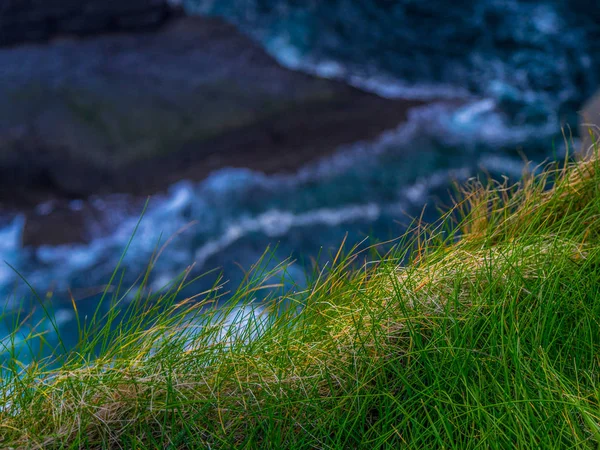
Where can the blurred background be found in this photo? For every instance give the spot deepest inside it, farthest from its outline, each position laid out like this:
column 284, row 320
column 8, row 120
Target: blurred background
column 262, row 123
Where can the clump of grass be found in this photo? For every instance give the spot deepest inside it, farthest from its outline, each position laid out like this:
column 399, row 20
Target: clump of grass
column 481, row 331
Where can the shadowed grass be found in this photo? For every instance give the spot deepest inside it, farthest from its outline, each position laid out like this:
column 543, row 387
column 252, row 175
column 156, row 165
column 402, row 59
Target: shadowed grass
column 482, row 331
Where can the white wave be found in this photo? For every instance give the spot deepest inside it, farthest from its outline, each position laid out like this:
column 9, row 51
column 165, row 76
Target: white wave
column 385, row 86
column 276, row 223
column 43, row 209
column 240, row 324
column 481, row 122
column 11, row 236
column 418, row 192
column 11, row 244
column 469, row 114
column 76, row 257
column 505, row 165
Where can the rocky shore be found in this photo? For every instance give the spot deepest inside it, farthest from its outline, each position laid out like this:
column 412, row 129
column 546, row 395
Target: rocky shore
column 123, row 112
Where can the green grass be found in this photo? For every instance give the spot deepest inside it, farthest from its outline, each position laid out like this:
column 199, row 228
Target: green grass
column 480, row 331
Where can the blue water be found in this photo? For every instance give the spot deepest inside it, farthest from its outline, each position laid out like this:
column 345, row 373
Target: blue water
column 521, row 69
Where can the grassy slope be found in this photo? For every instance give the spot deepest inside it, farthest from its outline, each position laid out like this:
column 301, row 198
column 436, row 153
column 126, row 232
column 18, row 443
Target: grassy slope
column 484, row 337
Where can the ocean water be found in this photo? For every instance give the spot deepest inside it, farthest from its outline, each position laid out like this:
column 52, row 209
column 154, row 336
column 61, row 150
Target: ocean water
column 522, row 70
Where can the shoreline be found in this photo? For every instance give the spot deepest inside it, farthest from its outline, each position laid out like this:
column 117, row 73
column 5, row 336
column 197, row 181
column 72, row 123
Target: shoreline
column 133, row 113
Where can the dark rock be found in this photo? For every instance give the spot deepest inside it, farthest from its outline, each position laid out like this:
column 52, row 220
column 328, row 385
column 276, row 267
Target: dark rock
column 34, row 20
column 118, row 7
column 16, row 33
column 142, row 20
column 84, row 24
column 134, row 113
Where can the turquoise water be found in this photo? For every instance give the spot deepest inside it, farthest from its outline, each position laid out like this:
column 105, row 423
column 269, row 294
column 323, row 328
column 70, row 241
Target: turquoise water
column 521, row 70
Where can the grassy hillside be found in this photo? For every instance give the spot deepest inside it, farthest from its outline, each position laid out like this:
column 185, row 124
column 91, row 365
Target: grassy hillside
column 481, row 331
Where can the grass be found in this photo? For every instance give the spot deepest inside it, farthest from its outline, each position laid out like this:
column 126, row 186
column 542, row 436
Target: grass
column 480, row 331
